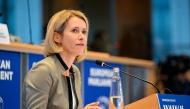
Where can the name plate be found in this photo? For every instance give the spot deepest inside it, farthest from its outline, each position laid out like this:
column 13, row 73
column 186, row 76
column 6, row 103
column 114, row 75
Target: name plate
column 171, row 101
column 10, row 80
column 4, row 34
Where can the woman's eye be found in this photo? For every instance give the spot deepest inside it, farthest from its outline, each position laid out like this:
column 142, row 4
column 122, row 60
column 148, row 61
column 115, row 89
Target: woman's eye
column 84, row 32
column 74, row 30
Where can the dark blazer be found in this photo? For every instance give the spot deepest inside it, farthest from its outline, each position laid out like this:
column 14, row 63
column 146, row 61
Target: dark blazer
column 45, row 87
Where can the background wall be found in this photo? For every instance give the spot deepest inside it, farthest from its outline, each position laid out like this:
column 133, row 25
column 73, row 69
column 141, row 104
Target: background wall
column 16, row 16
column 148, row 29
column 133, row 28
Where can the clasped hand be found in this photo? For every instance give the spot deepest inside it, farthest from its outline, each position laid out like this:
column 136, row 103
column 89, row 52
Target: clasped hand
column 93, row 105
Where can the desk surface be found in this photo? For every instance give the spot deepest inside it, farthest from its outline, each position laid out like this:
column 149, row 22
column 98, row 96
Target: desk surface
column 29, row 48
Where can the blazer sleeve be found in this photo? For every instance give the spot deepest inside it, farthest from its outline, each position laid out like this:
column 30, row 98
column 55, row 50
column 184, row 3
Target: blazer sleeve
column 36, row 87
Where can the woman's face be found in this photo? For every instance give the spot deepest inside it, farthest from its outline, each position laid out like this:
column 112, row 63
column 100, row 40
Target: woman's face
column 74, row 37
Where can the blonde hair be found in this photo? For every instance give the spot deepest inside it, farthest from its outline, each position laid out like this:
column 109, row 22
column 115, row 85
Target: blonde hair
column 57, row 24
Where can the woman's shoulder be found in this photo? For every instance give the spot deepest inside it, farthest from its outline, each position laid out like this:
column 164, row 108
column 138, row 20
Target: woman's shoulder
column 44, row 66
column 47, row 61
column 42, row 69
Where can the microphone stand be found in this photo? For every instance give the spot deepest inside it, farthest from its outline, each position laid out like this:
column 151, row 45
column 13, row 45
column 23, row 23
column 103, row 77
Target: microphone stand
column 103, row 64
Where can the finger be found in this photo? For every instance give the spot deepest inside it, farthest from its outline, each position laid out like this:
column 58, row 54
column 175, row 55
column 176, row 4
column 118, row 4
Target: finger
column 94, row 103
column 92, row 107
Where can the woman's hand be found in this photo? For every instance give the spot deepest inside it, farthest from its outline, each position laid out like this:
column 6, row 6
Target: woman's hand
column 93, row 105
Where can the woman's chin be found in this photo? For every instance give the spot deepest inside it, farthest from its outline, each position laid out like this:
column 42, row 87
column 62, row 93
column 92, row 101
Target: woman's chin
column 79, row 53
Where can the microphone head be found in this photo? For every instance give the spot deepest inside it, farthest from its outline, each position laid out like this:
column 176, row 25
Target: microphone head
column 99, row 62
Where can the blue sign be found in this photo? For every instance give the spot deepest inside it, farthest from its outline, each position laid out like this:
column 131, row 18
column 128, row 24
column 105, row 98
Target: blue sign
column 33, row 59
column 96, row 83
column 171, row 101
column 9, row 80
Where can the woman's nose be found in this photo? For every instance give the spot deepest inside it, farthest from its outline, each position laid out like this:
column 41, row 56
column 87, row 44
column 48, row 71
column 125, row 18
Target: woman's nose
column 81, row 36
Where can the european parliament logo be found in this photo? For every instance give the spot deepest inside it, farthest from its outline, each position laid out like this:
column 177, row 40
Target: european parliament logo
column 1, row 103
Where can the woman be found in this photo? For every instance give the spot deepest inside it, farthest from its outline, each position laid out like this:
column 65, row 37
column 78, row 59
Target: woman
column 54, row 82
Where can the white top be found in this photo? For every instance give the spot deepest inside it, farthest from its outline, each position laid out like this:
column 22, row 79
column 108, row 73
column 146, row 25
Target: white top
column 73, row 96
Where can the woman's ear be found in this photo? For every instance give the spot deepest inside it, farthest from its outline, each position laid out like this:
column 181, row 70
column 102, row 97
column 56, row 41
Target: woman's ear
column 57, row 37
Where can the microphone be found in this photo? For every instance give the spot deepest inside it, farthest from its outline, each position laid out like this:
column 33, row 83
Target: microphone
column 98, row 62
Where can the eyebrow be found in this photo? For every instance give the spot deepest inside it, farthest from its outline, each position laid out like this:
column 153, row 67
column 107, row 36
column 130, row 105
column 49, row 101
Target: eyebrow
column 79, row 27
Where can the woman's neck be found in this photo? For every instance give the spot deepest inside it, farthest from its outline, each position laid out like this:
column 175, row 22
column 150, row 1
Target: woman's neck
column 68, row 59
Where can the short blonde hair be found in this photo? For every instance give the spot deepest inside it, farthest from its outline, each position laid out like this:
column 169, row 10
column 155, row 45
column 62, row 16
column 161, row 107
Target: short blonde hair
column 57, row 24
